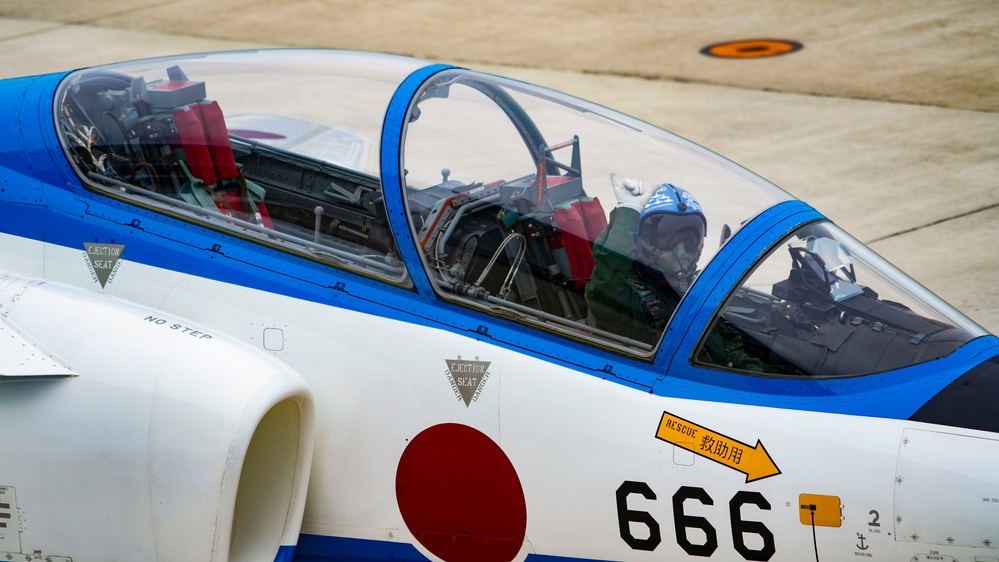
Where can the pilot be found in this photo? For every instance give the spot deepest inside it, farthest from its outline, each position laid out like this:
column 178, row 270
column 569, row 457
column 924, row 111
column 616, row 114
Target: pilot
column 645, row 260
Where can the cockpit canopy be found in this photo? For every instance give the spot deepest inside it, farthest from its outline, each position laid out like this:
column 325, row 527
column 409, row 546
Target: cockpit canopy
column 499, row 195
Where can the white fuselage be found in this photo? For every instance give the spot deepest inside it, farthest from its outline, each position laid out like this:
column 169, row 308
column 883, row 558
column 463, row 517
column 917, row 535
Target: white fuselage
column 598, row 483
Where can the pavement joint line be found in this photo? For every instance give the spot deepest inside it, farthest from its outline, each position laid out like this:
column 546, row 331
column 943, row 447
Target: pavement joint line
column 593, row 72
column 95, row 24
column 702, row 82
column 934, row 223
column 41, row 31
column 93, row 20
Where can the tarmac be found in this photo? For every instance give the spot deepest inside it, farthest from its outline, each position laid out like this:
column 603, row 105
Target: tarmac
column 886, row 121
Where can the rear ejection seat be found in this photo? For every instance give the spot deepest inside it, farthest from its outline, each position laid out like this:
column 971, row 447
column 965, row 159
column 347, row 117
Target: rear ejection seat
column 214, row 180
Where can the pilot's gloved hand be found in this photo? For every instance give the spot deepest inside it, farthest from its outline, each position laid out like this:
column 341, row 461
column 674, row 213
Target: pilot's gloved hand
column 631, row 193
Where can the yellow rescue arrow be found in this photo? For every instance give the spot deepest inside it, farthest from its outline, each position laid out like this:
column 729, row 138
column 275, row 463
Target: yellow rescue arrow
column 754, row 462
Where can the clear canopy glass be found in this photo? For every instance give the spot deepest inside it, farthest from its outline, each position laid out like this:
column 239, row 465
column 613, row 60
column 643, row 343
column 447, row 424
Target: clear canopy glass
column 509, row 186
column 525, row 203
column 277, row 146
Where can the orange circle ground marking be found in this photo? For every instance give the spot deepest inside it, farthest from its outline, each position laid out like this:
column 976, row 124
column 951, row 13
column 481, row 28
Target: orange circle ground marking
column 751, row 49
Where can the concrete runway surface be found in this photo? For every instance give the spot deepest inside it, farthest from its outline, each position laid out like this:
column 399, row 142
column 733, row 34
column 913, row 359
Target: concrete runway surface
column 887, row 120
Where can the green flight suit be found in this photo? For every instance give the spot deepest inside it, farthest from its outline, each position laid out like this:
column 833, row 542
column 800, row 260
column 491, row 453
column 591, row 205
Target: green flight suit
column 636, row 303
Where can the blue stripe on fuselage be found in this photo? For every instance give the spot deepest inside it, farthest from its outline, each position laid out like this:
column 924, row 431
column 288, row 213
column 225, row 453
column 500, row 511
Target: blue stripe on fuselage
column 318, row 548
column 285, row 553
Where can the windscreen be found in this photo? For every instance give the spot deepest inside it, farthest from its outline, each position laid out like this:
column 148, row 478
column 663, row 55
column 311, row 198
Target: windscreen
column 822, row 304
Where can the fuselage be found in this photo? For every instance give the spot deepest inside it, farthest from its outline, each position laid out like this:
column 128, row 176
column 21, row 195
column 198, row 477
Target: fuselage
column 445, row 427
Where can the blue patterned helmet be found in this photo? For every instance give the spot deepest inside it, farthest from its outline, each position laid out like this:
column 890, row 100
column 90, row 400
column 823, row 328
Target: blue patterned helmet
column 670, row 235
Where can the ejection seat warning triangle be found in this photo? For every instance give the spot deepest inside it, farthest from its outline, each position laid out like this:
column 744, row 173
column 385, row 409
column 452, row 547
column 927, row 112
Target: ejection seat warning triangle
column 467, row 378
column 754, row 462
column 103, row 260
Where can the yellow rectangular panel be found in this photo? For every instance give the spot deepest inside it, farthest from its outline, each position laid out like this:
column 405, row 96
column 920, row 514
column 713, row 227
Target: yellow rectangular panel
column 827, row 510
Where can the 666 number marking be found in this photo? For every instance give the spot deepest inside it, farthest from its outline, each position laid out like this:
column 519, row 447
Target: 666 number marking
column 682, row 522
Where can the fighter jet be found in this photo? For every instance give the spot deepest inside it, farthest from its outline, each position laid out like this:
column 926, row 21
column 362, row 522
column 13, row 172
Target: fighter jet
column 327, row 306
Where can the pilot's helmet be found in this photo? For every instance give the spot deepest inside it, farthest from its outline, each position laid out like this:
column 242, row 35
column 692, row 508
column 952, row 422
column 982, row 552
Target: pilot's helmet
column 670, row 235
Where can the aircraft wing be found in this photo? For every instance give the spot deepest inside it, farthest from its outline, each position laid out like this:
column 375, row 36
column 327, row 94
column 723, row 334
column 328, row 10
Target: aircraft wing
column 21, row 358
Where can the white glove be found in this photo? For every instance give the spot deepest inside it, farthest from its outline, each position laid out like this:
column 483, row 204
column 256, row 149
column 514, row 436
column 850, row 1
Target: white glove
column 631, row 193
